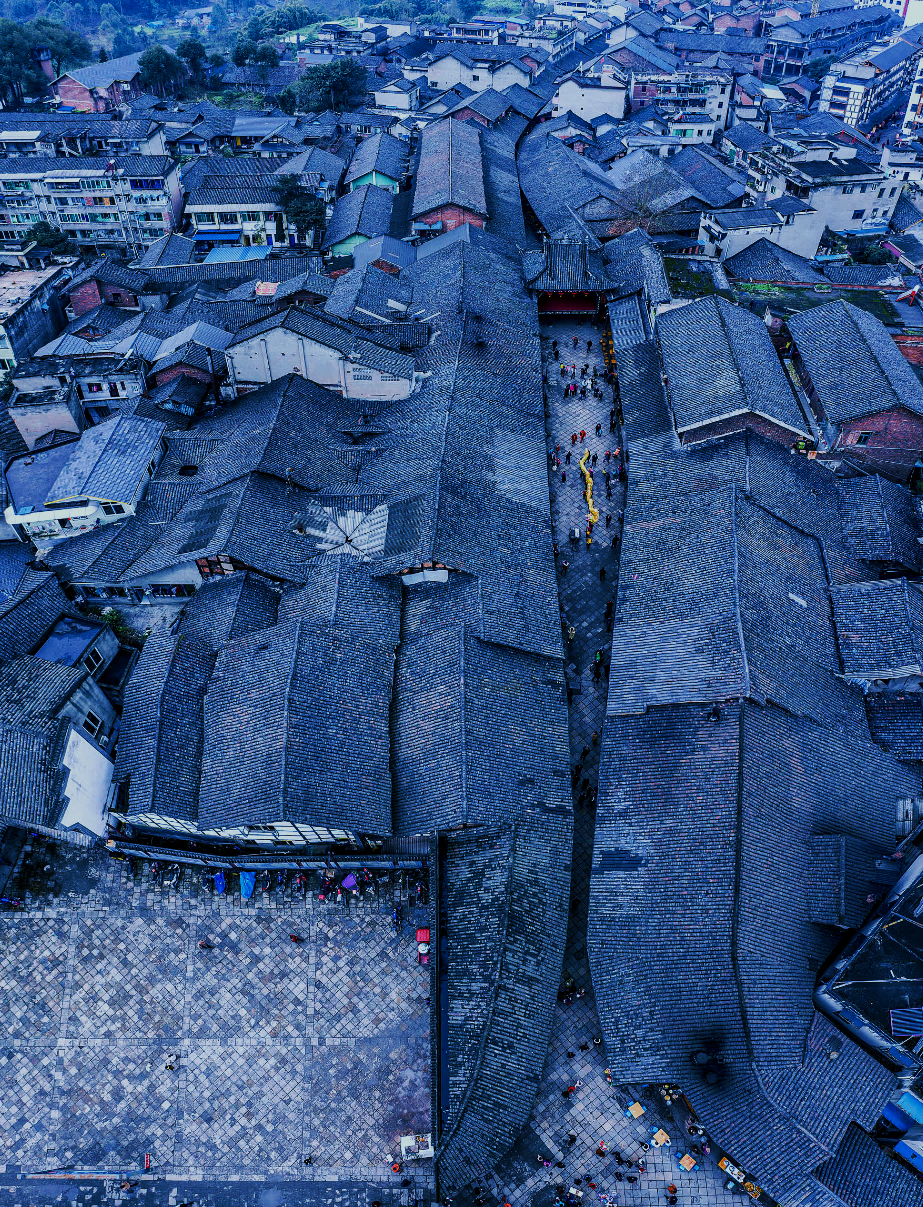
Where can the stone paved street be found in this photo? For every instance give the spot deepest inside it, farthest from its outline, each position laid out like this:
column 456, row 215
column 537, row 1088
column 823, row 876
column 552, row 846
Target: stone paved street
column 280, row 1051
column 595, row 1111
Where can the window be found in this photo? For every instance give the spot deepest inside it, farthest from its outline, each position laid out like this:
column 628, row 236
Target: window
column 205, row 219
column 361, row 374
column 227, row 218
column 95, row 387
column 849, row 188
column 893, row 191
column 881, row 192
column 857, row 214
column 874, row 213
column 863, row 438
column 863, row 187
column 251, row 216
column 93, row 724
column 93, row 661
column 112, row 508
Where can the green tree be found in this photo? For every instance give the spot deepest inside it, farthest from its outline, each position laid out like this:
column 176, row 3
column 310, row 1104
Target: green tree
column 159, row 71
column 266, row 60
column 194, row 55
column 342, row 84
column 19, row 72
column 46, row 235
column 219, row 23
column 66, row 47
column 818, row 68
column 303, row 209
column 103, row 55
column 126, row 41
column 244, row 50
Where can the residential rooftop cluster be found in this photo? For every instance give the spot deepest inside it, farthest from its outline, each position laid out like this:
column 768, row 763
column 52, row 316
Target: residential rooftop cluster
column 279, row 579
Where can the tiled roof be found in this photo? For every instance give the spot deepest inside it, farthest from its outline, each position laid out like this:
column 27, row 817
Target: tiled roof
column 869, row 276
column 235, row 193
column 740, row 374
column 108, row 461
column 634, row 261
column 712, row 616
column 765, row 261
column 171, row 249
column 718, row 183
column 747, row 137
column 356, row 343
column 862, row 1174
column 302, row 685
column 365, row 211
column 504, row 979
column 691, row 812
column 378, row 153
column 896, row 722
column 30, row 779
column 451, row 170
column 30, row 603
column 853, row 363
column 880, row 628
column 101, row 75
column 566, row 265
column 160, row 741
column 879, row 520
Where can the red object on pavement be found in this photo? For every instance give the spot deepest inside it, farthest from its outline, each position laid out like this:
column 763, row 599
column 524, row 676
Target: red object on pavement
column 147, row 1160
column 423, row 934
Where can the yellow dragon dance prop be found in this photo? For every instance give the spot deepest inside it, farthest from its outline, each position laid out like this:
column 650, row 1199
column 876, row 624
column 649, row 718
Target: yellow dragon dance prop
column 588, row 478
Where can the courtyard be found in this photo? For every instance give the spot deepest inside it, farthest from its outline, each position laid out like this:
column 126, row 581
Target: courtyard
column 281, row 1051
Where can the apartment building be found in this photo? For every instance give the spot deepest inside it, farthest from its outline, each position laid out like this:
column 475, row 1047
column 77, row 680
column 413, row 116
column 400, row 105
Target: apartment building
column 698, row 91
column 869, row 86
column 124, row 203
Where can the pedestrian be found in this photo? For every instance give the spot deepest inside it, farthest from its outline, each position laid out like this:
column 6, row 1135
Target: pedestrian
column 295, row 938
column 571, row 1055
column 607, row 455
column 597, row 1040
column 567, row 457
column 582, row 437
column 606, row 667
column 584, row 1047
column 597, row 674
column 608, row 491
column 578, row 767
column 564, row 567
column 585, row 785
column 602, row 574
column 309, row 1160
column 630, row 1178
column 205, row 946
column 574, row 342
column 593, row 459
column 573, row 439
column 609, row 606
column 611, row 426
column 599, row 429
column 595, row 738
column 563, row 370
column 554, row 548
column 589, row 345
column 618, row 1176
column 171, row 1062
column 571, row 632
column 571, row 1138
column 608, row 627
column 563, row 475
column 608, row 521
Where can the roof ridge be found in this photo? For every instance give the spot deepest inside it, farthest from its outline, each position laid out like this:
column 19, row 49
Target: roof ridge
column 737, row 616
column 286, row 722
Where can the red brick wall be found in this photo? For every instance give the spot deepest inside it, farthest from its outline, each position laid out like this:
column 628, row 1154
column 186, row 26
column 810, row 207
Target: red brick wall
column 895, row 443
column 75, row 94
column 452, row 216
column 127, row 298
column 469, row 114
column 175, row 371
column 84, row 297
column 92, row 293
column 739, row 423
column 911, row 347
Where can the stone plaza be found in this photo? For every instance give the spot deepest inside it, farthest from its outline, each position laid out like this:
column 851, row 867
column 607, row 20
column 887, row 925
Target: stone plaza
column 250, row 1057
